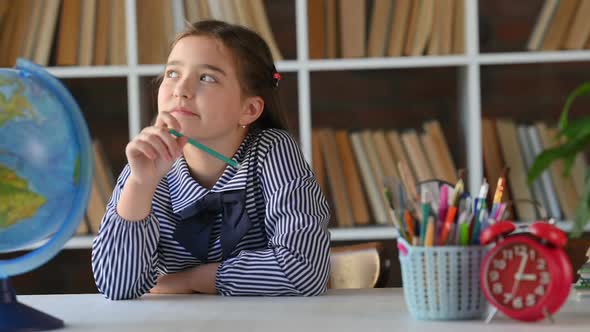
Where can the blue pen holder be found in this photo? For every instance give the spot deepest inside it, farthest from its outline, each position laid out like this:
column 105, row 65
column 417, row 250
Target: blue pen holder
column 442, row 283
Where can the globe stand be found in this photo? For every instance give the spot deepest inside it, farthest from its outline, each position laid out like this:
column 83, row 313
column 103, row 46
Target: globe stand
column 15, row 316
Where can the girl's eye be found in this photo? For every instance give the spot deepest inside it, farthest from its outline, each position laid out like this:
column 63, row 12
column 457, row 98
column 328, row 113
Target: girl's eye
column 171, row 74
column 208, row 78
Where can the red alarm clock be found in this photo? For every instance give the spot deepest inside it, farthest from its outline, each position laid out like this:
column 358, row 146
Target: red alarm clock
column 526, row 275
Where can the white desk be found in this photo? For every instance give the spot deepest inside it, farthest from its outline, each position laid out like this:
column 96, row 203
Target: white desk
column 338, row 310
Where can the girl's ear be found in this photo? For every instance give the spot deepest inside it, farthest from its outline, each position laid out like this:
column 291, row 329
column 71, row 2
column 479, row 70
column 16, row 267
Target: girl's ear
column 253, row 107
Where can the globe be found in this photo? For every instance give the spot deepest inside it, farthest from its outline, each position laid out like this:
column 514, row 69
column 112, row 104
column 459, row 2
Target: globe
column 45, row 168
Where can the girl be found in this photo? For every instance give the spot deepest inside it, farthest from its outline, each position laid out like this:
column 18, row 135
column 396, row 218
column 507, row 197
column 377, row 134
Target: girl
column 181, row 221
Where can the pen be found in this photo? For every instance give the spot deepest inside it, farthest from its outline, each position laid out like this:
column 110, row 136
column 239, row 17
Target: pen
column 452, row 212
column 426, row 217
column 210, row 151
column 499, row 192
column 405, row 216
column 429, row 240
column 396, row 223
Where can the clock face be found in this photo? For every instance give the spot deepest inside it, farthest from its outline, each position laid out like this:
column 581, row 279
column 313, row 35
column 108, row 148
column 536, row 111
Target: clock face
column 517, row 276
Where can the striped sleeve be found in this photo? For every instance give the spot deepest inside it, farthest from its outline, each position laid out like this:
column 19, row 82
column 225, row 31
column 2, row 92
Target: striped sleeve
column 124, row 253
column 296, row 261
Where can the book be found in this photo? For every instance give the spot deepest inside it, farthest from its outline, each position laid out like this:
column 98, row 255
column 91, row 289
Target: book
column 545, row 16
column 101, row 35
column 358, row 201
column 417, row 157
column 447, row 15
column 373, row 193
column 433, row 45
column 385, row 155
column 564, row 186
column 338, row 191
column 30, row 41
column 316, row 25
column 434, row 129
column 377, row 172
column 579, row 29
column 263, row 27
column 546, row 183
column 459, row 28
column 399, row 152
column 102, row 171
column 378, row 31
column 244, row 13
column 118, row 40
column 332, row 47
column 432, row 157
column 512, row 154
column 399, row 25
column 557, row 31
column 538, row 191
column 352, row 15
column 68, row 34
column 317, row 160
column 87, row 26
column 178, row 15
column 47, row 28
column 230, row 14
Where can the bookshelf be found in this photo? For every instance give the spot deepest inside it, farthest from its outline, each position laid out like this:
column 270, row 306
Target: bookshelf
column 468, row 68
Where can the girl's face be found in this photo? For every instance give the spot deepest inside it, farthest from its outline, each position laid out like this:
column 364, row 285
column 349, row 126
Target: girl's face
column 201, row 89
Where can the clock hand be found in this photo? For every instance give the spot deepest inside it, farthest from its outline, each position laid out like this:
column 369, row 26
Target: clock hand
column 521, row 267
column 526, row 276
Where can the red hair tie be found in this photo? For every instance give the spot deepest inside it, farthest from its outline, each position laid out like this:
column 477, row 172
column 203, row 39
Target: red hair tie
column 276, row 77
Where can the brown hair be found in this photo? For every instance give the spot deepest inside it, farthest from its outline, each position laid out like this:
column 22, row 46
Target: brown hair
column 254, row 62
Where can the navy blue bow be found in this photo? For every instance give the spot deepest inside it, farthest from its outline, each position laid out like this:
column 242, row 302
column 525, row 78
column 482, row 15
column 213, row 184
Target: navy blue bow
column 196, row 223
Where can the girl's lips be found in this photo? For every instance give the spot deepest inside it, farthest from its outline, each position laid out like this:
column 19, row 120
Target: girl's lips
column 182, row 111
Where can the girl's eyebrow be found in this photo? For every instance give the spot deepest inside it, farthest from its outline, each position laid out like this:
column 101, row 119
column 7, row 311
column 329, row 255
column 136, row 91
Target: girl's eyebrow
column 204, row 65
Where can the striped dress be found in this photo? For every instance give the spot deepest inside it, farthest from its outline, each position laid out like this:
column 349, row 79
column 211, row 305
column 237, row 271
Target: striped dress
column 285, row 252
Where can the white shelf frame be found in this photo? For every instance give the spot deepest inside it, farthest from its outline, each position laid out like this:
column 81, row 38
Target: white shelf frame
column 469, row 93
column 337, row 235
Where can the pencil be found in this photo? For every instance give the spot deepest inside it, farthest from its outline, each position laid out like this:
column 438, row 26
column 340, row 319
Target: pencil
column 210, row 151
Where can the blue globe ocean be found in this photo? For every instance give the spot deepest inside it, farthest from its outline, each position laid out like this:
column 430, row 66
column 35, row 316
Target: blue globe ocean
column 45, row 165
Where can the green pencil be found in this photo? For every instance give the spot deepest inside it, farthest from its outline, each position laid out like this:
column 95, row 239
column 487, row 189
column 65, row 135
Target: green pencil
column 210, row 151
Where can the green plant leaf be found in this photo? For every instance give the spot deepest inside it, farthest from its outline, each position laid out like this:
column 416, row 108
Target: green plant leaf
column 579, row 128
column 566, row 151
column 582, row 90
column 543, row 161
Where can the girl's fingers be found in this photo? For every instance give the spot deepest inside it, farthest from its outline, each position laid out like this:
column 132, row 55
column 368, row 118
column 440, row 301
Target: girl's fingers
column 166, row 120
column 143, row 148
column 166, row 138
column 154, row 139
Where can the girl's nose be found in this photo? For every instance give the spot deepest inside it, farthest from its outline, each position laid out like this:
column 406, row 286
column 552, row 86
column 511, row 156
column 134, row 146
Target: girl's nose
column 182, row 91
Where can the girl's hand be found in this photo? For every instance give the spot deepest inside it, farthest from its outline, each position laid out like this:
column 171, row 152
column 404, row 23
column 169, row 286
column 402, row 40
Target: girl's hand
column 176, row 283
column 152, row 153
column 199, row 279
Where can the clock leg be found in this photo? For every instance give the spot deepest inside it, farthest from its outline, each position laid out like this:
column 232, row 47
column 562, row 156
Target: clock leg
column 491, row 315
column 547, row 315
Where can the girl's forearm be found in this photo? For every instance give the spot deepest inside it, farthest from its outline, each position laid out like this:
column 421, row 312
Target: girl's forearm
column 136, row 200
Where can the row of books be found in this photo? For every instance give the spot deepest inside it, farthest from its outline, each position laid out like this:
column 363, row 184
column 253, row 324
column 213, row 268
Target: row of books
column 507, row 144
column 561, row 24
column 351, row 167
column 338, row 28
column 92, row 32
column 102, row 189
column 72, row 32
column 158, row 20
